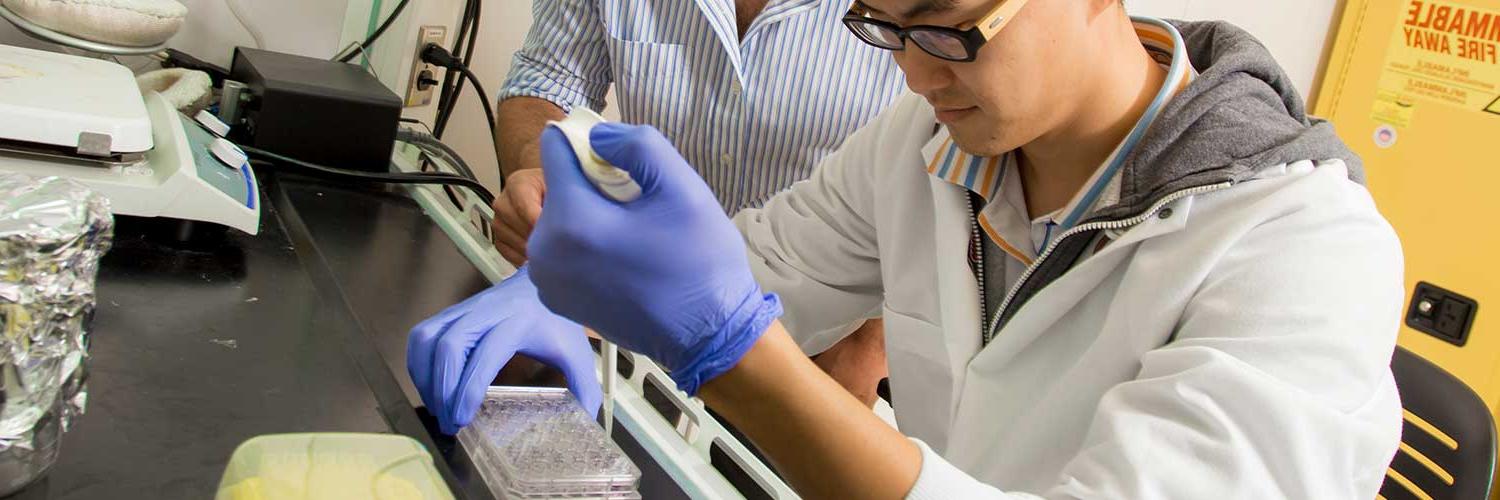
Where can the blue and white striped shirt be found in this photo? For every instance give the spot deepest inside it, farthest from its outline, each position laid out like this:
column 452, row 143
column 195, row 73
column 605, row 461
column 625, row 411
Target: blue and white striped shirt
column 753, row 117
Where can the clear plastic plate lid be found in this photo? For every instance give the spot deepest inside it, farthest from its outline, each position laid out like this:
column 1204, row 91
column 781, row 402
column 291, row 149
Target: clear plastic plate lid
column 537, row 442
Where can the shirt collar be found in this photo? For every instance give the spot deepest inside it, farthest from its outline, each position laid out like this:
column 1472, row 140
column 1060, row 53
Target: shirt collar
column 947, row 162
column 721, row 18
column 983, row 175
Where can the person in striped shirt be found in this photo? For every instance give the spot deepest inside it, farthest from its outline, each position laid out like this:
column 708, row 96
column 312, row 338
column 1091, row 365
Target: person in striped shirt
column 730, row 82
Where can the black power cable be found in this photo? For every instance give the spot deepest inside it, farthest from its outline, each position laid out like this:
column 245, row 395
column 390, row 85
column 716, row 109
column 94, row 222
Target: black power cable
column 430, row 145
column 384, row 178
column 467, row 54
column 365, row 45
column 437, row 55
column 489, row 110
column 465, row 23
column 452, row 86
column 426, row 157
column 180, row 59
column 415, row 121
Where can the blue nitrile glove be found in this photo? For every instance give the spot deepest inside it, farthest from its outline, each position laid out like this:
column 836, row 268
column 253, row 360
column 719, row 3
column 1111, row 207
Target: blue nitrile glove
column 664, row 275
column 452, row 357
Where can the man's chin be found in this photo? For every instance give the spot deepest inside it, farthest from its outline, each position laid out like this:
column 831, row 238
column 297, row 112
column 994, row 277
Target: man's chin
column 977, row 139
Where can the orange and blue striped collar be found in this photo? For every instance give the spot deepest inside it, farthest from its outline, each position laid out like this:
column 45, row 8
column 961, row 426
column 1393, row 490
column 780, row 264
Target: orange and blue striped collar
column 983, row 175
column 946, row 161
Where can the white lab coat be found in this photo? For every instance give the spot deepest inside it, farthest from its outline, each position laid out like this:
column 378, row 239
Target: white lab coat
column 1283, row 292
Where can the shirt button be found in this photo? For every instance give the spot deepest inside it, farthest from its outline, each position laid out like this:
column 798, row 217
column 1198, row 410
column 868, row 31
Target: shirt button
column 1165, row 213
column 734, row 88
column 726, row 159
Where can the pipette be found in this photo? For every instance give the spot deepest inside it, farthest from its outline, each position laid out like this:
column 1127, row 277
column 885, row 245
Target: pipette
column 612, row 181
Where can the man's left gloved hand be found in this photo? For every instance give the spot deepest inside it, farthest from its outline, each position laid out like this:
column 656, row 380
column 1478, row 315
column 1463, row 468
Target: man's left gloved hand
column 452, row 357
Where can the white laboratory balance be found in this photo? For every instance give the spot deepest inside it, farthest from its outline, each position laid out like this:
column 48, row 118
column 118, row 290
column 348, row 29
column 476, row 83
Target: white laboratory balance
column 86, row 120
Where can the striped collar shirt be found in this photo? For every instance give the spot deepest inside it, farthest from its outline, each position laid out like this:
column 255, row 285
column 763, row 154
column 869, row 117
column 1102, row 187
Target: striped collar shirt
column 752, row 114
column 1004, row 217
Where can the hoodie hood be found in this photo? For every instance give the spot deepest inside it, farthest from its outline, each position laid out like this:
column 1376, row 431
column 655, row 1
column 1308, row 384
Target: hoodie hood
column 1240, row 115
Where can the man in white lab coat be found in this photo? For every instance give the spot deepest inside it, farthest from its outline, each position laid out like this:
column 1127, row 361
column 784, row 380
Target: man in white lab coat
column 1115, row 257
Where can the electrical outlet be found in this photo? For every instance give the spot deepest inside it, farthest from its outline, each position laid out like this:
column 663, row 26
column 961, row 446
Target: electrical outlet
column 1441, row 313
column 423, row 79
column 1452, row 317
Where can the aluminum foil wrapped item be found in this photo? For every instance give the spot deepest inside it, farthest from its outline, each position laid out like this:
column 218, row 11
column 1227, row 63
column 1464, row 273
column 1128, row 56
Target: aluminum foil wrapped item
column 52, row 234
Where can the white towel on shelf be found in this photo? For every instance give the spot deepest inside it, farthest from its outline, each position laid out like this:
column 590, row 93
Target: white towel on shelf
column 186, row 90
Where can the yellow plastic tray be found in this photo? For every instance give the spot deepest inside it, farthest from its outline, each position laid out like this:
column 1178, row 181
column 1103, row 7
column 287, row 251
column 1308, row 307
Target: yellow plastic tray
column 331, row 466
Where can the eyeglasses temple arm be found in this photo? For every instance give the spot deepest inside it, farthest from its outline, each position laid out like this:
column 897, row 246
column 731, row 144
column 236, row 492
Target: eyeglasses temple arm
column 997, row 17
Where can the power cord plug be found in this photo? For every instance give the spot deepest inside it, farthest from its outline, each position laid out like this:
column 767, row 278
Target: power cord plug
column 437, row 55
column 426, row 80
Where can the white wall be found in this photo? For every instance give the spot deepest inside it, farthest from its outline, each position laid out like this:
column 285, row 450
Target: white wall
column 1296, row 31
column 211, row 31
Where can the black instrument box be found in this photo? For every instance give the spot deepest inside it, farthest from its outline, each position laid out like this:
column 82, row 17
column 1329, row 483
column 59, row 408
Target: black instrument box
column 324, row 112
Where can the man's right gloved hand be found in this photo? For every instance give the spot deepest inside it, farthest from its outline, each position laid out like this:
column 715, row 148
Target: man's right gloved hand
column 665, row 275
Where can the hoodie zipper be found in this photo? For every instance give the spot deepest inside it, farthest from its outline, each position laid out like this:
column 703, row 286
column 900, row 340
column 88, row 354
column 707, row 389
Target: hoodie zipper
column 976, row 257
column 989, row 333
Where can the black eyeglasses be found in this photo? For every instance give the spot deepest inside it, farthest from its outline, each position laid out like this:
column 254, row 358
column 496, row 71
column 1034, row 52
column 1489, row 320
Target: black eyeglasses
column 943, row 42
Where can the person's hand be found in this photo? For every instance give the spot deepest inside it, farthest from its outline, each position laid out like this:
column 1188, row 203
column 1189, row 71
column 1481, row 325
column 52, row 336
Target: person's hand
column 516, row 212
column 665, row 275
column 452, row 357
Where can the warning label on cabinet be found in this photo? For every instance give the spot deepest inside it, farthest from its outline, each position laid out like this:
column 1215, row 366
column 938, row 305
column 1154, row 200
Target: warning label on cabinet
column 1444, row 52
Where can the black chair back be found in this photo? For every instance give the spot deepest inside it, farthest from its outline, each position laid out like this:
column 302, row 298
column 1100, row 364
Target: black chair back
column 1447, row 436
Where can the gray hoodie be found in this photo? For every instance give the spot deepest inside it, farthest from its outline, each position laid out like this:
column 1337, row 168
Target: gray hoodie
column 1239, row 115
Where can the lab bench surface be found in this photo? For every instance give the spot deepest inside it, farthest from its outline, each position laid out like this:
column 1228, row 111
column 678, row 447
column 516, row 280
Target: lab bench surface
column 202, row 340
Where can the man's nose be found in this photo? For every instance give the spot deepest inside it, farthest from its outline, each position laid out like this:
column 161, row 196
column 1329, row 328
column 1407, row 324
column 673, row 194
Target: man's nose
column 925, row 74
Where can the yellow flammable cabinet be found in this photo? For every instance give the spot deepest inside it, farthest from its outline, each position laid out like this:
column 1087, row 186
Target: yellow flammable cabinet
column 1413, row 86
